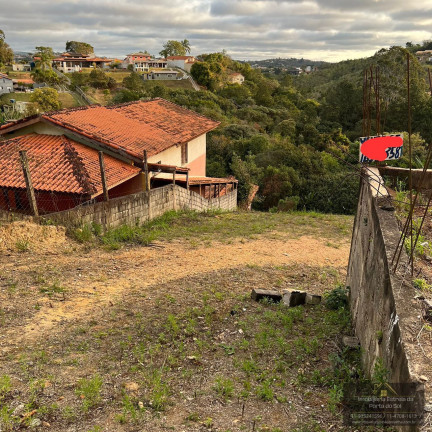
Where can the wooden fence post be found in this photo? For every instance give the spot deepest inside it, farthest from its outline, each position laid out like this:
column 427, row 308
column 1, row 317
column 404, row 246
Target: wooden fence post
column 187, row 180
column 29, row 184
column 102, row 170
column 146, row 172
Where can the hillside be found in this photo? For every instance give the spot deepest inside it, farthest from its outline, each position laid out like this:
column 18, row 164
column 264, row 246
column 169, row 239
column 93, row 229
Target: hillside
column 285, row 63
column 294, row 137
column 167, row 336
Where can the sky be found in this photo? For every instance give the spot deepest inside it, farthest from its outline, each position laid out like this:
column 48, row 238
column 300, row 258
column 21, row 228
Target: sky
column 330, row 30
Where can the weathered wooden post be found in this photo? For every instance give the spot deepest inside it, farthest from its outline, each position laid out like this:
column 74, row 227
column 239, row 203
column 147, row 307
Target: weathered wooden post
column 146, row 172
column 187, row 180
column 28, row 181
column 103, row 177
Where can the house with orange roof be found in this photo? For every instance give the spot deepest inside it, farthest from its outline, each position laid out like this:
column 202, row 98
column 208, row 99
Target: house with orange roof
column 71, row 62
column 64, row 172
column 155, row 133
column 236, row 78
column 143, row 62
column 182, row 62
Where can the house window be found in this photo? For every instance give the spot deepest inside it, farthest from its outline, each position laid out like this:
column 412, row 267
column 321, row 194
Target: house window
column 184, row 154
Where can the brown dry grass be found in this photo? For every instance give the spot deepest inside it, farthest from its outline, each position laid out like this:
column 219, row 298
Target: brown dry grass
column 167, row 337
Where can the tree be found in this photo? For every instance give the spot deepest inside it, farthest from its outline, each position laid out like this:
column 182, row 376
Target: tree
column 246, row 173
column 46, row 76
column 47, row 99
column 186, row 45
column 175, row 48
column 201, row 73
column 100, row 80
column 82, row 48
column 236, row 92
column 6, row 53
column 43, row 57
column 134, row 82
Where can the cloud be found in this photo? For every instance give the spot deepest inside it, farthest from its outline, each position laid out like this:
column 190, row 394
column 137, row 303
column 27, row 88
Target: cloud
column 247, row 29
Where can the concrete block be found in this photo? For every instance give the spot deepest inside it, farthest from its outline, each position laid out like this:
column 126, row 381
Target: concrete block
column 313, row 299
column 294, row 298
column 260, row 294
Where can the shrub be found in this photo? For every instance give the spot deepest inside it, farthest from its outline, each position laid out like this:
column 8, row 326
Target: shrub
column 89, row 390
column 421, row 284
column 336, row 298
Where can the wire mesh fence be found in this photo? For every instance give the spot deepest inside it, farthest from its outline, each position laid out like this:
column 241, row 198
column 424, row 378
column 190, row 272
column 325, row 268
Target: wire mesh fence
column 40, row 184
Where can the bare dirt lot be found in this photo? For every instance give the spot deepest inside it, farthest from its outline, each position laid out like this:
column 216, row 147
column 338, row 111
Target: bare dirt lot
column 166, row 337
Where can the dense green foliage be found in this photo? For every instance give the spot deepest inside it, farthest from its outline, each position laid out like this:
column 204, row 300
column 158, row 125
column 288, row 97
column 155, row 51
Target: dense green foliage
column 79, row 48
column 294, row 137
column 44, row 56
column 175, row 48
column 6, row 53
column 97, row 78
column 270, row 135
column 47, row 99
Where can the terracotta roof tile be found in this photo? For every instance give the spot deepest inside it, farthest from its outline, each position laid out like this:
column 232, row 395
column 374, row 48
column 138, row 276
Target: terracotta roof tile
column 181, row 123
column 59, row 164
column 23, row 81
column 4, row 76
column 134, row 127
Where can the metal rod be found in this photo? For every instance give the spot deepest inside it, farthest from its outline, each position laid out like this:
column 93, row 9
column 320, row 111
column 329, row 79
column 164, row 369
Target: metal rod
column 370, row 103
column 377, row 102
column 408, row 221
column 410, row 156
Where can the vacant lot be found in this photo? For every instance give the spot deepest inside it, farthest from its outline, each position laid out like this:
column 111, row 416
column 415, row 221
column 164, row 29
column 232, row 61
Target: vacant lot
column 66, row 99
column 109, row 335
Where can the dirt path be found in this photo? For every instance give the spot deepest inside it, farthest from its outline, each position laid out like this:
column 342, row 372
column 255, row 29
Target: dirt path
column 99, row 278
column 167, row 337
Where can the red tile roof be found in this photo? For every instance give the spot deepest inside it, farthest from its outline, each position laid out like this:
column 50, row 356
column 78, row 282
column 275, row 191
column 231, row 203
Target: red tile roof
column 154, row 125
column 23, row 81
column 83, row 59
column 4, row 76
column 59, row 164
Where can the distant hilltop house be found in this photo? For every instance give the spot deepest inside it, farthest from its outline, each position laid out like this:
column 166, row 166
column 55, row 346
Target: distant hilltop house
column 310, row 68
column 136, row 57
column 160, row 74
column 182, row 62
column 72, row 62
column 6, row 84
column 21, row 67
column 63, row 149
column 236, row 78
column 295, row 71
column 424, row 56
column 143, row 62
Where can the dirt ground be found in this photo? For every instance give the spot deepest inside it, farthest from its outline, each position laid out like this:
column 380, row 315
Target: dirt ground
column 169, row 330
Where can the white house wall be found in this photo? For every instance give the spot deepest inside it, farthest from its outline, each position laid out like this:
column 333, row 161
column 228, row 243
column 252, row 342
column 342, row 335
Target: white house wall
column 196, row 156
